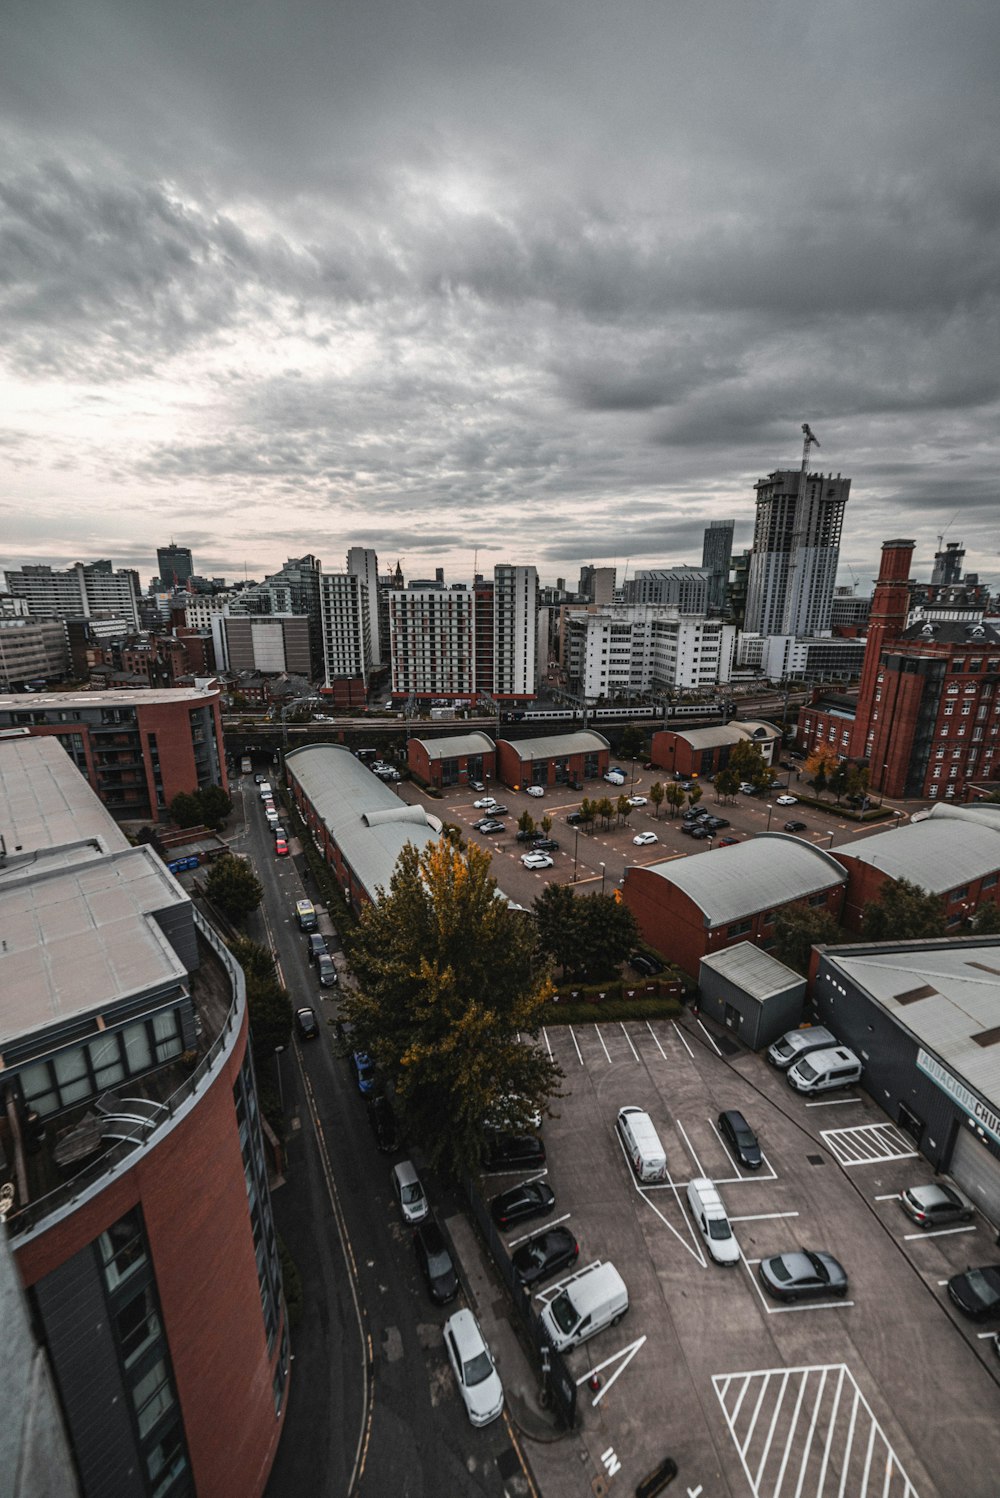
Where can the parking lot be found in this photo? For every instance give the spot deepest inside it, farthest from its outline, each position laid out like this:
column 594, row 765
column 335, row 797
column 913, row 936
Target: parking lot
column 884, row 1392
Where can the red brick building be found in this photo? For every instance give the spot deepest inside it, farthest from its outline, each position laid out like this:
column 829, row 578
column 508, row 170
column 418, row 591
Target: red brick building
column 557, row 759
column 454, row 759
column 696, row 752
column 690, row 907
column 138, row 749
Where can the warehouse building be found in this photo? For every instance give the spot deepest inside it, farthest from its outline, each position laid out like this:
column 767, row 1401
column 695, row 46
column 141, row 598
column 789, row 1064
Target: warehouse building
column 557, row 759
column 924, row 1017
column 754, row 995
column 695, row 752
column 453, row 760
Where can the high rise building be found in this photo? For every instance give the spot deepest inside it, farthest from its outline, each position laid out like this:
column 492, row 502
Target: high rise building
column 629, row 650
column 796, row 548
column 431, row 633
column 362, row 562
column 684, row 588
column 346, row 608
column 948, row 564
column 716, row 554
column 175, row 565
column 515, row 602
column 84, row 591
column 299, row 581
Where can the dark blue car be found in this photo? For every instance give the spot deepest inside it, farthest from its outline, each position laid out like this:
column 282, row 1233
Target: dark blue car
column 364, row 1071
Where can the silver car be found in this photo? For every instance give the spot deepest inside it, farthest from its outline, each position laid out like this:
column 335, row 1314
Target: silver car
column 935, row 1203
column 472, row 1364
column 802, row 1274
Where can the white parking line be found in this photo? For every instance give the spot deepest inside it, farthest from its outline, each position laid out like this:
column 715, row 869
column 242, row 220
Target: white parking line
column 709, row 1038
column 655, row 1041
column 690, row 1148
column 670, row 1185
column 628, row 1037
column 936, row 1233
column 764, row 1217
column 550, row 1222
column 867, row 1144
column 890, row 1196
column 603, row 1046
column 680, row 1037
column 548, row 1043
column 626, row 1355
column 834, row 1102
column 572, row 1035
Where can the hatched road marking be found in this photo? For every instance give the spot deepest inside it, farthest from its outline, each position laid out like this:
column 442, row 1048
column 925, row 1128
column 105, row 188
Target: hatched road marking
column 809, row 1431
column 867, row 1144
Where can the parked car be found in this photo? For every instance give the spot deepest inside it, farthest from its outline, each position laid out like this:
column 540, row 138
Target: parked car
column 637, row 801
column 537, row 860
column 259, row 778
column 317, row 946
column 746, row 789
column 545, row 1254
column 795, row 826
column 306, row 1023
column 512, row 1151
column 643, row 839
column 644, row 963
column 435, row 1262
column 740, row 1138
column 278, row 831
column 497, row 810
column 935, row 1203
column 523, row 836
column 976, row 1292
column 727, row 842
column 280, row 847
column 717, row 822
column 545, row 845
column 327, row 971
column 382, row 1118
column 574, row 818
column 521, row 1203
column 688, row 828
column 786, row 800
column 476, row 785
column 700, row 832
column 472, row 1364
column 485, row 803
column 534, row 790
column 613, row 779
column 802, row 1274
column 408, row 1192
column 489, row 824
column 647, row 764
column 363, row 1068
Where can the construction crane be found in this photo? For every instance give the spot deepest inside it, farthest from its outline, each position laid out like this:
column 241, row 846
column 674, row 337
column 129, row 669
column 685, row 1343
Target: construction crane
column 808, row 440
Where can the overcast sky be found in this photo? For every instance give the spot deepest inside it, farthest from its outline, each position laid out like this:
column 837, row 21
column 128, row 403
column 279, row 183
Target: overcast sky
column 553, row 279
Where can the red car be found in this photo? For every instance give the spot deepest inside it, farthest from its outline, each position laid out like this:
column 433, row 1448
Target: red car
column 281, row 847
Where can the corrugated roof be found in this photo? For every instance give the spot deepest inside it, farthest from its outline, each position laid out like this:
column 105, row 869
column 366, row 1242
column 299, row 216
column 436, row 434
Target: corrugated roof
column 711, row 738
column 367, row 821
column 938, row 854
column 963, row 977
column 773, row 868
column 760, row 975
column 457, row 745
column 555, row 745
column 985, row 812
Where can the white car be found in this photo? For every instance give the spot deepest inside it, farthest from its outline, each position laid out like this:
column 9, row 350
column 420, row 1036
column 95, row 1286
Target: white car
column 642, row 838
column 472, row 1364
column 786, row 801
column 535, row 790
column 746, row 789
column 614, row 779
column 537, row 861
column 485, row 802
column 637, row 801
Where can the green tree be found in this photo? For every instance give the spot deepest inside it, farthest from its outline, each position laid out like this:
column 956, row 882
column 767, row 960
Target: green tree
column 858, row 778
column 727, row 783
column 903, row 912
column 546, row 824
column 675, row 796
column 605, row 810
column 594, row 937
column 526, row 822
column 657, row 795
column 632, row 742
column 837, row 780
column 588, row 811
column 623, row 808
column 556, row 914
column 234, row 887
column 748, row 762
column 185, row 810
column 797, row 929
column 215, row 805
column 446, row 990
column 694, row 795
column 986, row 921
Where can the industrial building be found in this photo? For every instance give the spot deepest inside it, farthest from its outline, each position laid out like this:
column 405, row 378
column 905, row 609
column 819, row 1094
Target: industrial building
column 453, row 760
column 564, row 759
column 132, row 1163
column 924, row 1017
column 692, row 907
column 699, row 752
column 754, row 995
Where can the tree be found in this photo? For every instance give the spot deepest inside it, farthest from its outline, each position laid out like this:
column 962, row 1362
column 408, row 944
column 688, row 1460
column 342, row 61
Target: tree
column 605, row 810
column 797, row 929
column 819, row 767
column 588, row 935
column 234, row 887
column 215, row 805
column 656, row 795
column 694, row 795
column 556, row 914
column 986, row 921
column 675, row 796
column 185, row 810
column 623, row 808
column 588, row 811
column 727, row 783
column 526, row 822
column 446, row 991
column 546, row 824
column 837, row 779
column 903, row 912
column 632, row 741
column 858, row 778
column 747, row 762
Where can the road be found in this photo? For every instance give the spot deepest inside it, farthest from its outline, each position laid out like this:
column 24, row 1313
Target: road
column 373, row 1409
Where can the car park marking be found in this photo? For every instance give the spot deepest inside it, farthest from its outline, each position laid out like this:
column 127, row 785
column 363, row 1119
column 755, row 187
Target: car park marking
column 668, row 1185
column 680, row 1037
column 550, row 1222
column 763, row 1216
column 812, row 1305
column 655, row 1041
column 936, row 1233
column 690, row 1147
column 610, row 1460
column 778, row 1439
column 890, row 1196
column 709, row 1038
column 635, row 1053
column 624, row 1357
column 604, row 1048
column 867, row 1144
column 572, row 1035
column 834, row 1102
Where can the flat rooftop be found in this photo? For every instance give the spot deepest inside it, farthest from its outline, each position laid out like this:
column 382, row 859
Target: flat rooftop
column 156, row 696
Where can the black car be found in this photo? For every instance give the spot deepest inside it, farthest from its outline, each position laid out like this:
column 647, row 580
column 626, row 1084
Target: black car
column 327, row 970
column 977, row 1291
column 643, row 963
column 317, row 946
column 511, row 1151
column 306, row 1023
column 802, row 1275
column 526, row 837
column 530, row 1199
column 688, row 828
column 795, row 826
column 717, row 822
column 545, row 1255
column 575, row 818
column 545, row 845
column 741, row 1138
column 383, row 1124
column 699, row 831
column 436, row 1263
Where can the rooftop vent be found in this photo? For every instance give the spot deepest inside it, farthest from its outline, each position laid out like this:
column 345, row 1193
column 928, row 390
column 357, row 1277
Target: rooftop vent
column 925, row 991
column 986, row 1037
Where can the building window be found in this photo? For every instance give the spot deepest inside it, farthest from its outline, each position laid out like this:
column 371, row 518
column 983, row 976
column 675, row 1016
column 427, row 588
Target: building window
column 959, row 894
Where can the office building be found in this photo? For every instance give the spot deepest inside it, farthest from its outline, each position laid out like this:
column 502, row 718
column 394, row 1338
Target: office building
column 684, row 588
column 136, row 749
column 802, row 658
column 139, row 1215
column 597, row 584
column 515, row 638
column 362, row 562
column 271, row 644
column 32, row 651
column 175, row 565
column 948, row 565
column 629, row 651
column 796, row 549
column 347, row 615
column 83, row 591
column 716, row 554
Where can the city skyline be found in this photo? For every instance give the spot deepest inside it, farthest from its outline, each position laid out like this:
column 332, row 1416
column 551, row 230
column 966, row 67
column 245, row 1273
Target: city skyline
column 556, row 293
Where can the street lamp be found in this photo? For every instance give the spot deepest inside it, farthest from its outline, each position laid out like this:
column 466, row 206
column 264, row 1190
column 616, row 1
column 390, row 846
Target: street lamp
column 770, row 809
column 831, row 836
column 899, row 816
column 576, row 848
column 602, row 878
column 277, row 1067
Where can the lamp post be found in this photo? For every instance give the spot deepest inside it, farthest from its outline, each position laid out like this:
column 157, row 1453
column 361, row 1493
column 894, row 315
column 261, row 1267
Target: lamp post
column 277, row 1067
column 576, row 849
column 899, row 817
column 770, row 809
column 831, row 836
column 602, row 878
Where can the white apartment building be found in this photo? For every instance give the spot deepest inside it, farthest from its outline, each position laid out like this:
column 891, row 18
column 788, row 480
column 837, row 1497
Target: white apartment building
column 515, row 638
column 201, row 608
column 801, row 657
column 80, row 592
column 431, row 642
column 346, row 613
column 362, row 562
column 632, row 650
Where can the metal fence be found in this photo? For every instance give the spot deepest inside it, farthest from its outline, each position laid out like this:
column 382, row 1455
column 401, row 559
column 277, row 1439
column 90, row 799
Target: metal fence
column 556, row 1380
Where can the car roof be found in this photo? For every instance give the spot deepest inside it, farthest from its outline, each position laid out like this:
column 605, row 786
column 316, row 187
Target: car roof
column 465, row 1330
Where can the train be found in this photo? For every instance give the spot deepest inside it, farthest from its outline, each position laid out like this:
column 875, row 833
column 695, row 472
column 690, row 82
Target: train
column 713, row 712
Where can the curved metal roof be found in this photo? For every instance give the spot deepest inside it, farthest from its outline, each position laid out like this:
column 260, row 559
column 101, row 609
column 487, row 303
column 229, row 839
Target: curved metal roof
column 585, row 741
column 456, row 745
column 772, row 869
column 938, row 854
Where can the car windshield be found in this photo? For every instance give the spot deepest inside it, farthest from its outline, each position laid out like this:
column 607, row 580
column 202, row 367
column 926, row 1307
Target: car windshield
column 719, row 1229
column 477, row 1369
column 780, row 1269
column 806, row 1072
column 562, row 1313
column 985, row 1285
column 822, row 1273
column 412, row 1193
column 745, row 1138
column 438, row 1263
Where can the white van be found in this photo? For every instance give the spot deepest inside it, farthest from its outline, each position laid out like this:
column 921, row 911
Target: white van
column 710, row 1219
column 798, row 1043
column 266, row 793
column 646, row 1154
column 586, row 1304
column 822, row 1071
